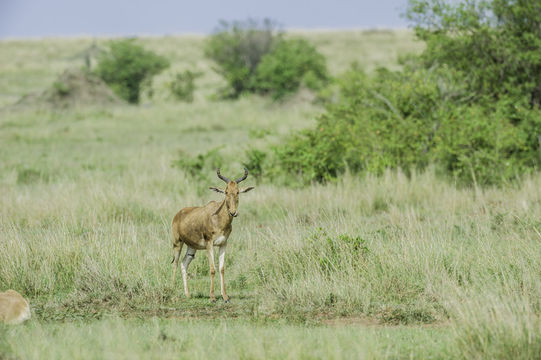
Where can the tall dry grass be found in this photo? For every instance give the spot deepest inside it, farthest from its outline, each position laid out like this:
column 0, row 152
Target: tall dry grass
column 397, row 249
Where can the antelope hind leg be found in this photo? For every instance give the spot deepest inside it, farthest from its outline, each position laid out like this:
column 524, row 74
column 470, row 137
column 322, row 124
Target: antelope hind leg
column 190, row 254
column 176, row 248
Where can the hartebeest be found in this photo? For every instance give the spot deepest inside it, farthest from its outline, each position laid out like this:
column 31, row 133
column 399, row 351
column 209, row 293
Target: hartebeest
column 203, row 227
column 14, row 309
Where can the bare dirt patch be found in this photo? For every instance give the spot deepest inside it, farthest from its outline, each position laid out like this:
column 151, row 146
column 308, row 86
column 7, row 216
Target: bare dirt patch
column 346, row 321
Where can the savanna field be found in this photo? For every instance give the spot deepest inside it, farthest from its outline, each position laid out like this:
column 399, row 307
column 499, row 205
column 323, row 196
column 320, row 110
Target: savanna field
column 405, row 264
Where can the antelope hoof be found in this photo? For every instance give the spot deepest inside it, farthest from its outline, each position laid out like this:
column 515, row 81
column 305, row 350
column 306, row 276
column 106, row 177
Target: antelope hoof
column 213, row 300
column 227, row 301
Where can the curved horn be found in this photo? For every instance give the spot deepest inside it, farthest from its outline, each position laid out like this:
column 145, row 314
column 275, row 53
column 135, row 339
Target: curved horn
column 244, row 177
column 222, row 177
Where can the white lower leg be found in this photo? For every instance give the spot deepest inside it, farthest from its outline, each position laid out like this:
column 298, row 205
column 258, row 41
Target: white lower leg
column 210, row 254
column 190, row 254
column 222, row 271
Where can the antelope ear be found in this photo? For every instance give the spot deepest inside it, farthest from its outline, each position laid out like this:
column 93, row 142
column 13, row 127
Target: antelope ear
column 216, row 189
column 247, row 189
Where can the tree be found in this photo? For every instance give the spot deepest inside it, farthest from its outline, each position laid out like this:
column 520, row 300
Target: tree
column 494, row 44
column 126, row 66
column 237, row 49
column 290, row 64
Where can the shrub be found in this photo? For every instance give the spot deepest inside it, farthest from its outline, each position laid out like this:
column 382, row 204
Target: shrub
column 237, row 49
column 482, row 145
column 61, row 89
column 26, row 176
column 290, row 64
column 382, row 121
column 313, row 155
column 183, row 85
column 335, row 253
column 254, row 58
column 255, row 162
column 470, row 102
column 200, row 165
column 126, row 66
column 410, row 119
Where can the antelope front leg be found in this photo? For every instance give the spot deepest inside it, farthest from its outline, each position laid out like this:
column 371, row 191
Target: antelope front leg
column 221, row 265
column 210, row 254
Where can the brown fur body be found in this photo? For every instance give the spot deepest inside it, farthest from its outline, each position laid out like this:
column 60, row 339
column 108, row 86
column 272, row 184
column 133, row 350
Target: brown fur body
column 14, row 309
column 196, row 226
column 202, row 228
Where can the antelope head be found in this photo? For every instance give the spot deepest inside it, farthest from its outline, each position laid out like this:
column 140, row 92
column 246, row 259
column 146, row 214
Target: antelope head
column 232, row 192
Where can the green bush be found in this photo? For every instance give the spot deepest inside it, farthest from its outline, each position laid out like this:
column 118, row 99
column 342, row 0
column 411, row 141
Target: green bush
column 126, row 66
column 183, row 85
column 410, row 119
column 381, row 122
column 482, row 145
column 467, row 104
column 237, row 49
column 255, row 162
column 290, row 64
column 254, row 58
column 61, row 89
column 335, row 253
column 26, row 176
column 201, row 165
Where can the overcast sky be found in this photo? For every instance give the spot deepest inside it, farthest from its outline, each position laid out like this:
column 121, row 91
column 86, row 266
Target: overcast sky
column 35, row 18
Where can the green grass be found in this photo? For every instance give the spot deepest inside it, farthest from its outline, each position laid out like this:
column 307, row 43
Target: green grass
column 177, row 338
column 389, row 267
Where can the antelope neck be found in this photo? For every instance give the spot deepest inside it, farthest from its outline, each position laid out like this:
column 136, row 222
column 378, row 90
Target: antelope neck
column 223, row 213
